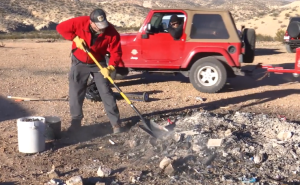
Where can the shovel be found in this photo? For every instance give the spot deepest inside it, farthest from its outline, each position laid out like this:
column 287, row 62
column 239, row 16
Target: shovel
column 149, row 126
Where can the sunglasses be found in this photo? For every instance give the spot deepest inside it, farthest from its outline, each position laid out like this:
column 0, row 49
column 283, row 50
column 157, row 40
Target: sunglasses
column 174, row 23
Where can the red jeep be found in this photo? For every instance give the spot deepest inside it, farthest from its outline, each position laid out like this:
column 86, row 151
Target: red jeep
column 292, row 35
column 208, row 52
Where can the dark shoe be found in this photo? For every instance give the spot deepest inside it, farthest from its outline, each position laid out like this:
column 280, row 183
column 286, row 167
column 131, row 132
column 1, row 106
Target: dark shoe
column 75, row 126
column 76, row 122
column 119, row 129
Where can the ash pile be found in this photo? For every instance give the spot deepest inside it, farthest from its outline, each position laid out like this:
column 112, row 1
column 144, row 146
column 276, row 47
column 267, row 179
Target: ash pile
column 206, row 148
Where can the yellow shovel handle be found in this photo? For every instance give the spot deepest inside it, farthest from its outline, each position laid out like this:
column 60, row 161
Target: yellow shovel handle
column 109, row 78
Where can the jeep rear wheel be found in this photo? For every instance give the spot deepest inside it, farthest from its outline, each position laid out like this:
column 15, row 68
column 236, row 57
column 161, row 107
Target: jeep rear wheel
column 208, row 75
column 290, row 49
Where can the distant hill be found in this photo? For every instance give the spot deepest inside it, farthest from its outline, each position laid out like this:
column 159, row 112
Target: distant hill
column 29, row 15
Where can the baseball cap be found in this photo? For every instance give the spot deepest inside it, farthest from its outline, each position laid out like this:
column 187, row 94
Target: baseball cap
column 174, row 18
column 98, row 17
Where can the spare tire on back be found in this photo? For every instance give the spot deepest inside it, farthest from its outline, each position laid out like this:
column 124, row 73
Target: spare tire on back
column 249, row 38
column 294, row 29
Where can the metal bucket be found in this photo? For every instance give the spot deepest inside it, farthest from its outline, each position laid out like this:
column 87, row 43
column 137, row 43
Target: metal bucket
column 53, row 128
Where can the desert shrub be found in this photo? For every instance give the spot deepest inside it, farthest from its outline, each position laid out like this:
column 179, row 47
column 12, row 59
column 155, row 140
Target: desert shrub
column 31, row 35
column 279, row 35
column 287, row 15
column 261, row 37
column 261, row 14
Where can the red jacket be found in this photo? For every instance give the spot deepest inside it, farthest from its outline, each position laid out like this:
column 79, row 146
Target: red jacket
column 79, row 26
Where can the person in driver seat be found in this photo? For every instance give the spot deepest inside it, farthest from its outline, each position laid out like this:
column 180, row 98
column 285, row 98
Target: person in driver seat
column 175, row 27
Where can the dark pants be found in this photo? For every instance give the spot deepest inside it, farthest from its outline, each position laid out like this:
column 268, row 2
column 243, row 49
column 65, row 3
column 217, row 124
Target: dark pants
column 78, row 77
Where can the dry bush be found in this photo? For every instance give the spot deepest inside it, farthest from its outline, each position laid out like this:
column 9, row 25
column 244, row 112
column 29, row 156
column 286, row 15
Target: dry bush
column 275, row 14
column 279, row 35
column 260, row 37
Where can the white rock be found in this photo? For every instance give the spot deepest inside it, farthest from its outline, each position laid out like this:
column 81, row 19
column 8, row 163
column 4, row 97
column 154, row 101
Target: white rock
column 165, row 162
column 177, row 136
column 103, row 171
column 225, row 154
column 169, row 169
column 76, row 180
column 258, row 158
column 100, row 183
column 227, row 133
column 283, row 136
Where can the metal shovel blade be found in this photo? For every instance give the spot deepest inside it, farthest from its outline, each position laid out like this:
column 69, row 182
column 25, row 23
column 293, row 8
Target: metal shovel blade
column 153, row 128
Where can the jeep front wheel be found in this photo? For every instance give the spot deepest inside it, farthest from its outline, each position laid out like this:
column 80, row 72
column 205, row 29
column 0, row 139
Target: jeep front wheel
column 208, row 75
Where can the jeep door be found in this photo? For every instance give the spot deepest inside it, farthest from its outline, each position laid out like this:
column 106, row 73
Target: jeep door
column 160, row 48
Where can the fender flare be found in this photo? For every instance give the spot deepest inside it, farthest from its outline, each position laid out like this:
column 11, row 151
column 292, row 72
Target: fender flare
column 221, row 51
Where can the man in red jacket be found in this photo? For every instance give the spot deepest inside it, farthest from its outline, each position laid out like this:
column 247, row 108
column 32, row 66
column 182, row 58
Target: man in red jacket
column 97, row 34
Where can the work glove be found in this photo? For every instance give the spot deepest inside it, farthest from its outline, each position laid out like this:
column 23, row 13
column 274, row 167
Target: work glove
column 107, row 71
column 79, row 43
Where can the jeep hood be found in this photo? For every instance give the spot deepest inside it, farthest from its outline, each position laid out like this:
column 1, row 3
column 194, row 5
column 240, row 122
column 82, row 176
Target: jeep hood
column 127, row 38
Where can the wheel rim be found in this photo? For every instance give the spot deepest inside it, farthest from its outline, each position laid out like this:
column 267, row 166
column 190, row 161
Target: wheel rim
column 146, row 96
column 207, row 76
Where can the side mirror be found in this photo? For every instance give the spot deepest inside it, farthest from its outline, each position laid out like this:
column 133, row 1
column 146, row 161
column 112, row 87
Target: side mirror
column 149, row 27
column 148, row 30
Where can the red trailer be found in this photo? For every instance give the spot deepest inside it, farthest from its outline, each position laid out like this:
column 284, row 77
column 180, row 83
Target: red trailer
column 280, row 70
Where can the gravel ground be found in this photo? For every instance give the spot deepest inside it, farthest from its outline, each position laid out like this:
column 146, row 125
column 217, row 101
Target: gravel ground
column 33, row 69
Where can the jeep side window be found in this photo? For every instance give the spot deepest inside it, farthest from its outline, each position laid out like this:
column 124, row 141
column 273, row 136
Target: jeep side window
column 208, row 26
column 155, row 22
column 160, row 21
column 166, row 21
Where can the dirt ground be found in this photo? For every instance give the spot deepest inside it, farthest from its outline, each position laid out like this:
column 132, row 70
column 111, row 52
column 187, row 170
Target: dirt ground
column 33, row 69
